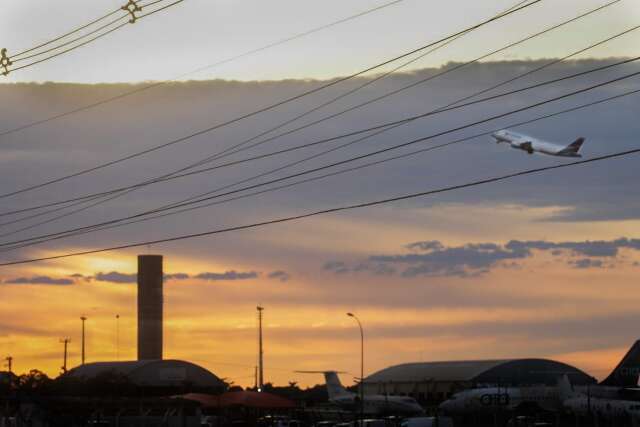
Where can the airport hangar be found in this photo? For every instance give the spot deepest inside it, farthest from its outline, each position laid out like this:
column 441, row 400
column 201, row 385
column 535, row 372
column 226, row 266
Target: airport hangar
column 433, row 382
column 154, row 374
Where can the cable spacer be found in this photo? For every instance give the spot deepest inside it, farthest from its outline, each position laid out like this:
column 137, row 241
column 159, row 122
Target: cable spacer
column 132, row 7
column 5, row 62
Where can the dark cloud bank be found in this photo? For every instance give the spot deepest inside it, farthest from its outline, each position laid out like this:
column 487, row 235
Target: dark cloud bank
column 604, row 191
column 129, row 278
column 434, row 259
column 39, row 280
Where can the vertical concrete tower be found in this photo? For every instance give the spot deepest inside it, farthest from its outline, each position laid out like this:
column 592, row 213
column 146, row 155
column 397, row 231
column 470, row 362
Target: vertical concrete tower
column 149, row 307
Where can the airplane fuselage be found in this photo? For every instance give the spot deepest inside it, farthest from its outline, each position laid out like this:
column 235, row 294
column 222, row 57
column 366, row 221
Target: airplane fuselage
column 494, row 399
column 606, row 408
column 379, row 404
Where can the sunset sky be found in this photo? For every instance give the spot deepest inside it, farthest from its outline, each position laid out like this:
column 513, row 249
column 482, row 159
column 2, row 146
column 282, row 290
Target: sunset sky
column 538, row 266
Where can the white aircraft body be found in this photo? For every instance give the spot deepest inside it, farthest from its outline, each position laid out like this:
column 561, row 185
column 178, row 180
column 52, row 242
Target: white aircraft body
column 374, row 404
column 533, row 145
column 581, row 404
column 620, row 384
column 492, row 399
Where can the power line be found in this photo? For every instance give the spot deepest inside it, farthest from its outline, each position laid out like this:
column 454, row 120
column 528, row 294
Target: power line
column 335, row 99
column 152, row 85
column 95, row 21
column 232, row 150
column 384, row 127
column 368, row 83
column 85, row 42
column 331, row 174
column 336, row 209
column 127, row 190
column 69, row 232
column 264, row 109
column 67, row 43
column 99, row 36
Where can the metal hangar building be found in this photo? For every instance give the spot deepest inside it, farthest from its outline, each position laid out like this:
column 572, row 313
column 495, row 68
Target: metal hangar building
column 436, row 381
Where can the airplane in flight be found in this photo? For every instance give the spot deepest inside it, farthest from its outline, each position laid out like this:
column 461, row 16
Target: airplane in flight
column 533, row 145
column 620, row 384
column 374, row 404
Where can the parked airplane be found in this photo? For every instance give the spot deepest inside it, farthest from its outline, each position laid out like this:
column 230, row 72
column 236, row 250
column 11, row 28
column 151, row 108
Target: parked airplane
column 374, row 404
column 582, row 405
column 533, row 145
column 620, row 384
column 492, row 399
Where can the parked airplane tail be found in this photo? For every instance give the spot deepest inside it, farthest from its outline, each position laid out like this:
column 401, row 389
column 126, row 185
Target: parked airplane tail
column 334, row 386
column 627, row 371
column 565, row 389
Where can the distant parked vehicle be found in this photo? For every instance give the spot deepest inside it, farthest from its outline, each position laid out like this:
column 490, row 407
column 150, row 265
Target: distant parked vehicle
column 427, row 422
column 364, row 423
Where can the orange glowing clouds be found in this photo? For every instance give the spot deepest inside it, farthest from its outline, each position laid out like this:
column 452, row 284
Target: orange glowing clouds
column 541, row 307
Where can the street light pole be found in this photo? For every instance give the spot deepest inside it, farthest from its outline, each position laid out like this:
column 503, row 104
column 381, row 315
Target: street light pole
column 117, row 337
column 361, row 367
column 66, row 342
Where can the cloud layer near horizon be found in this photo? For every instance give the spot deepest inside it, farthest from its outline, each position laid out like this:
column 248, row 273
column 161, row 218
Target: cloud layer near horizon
column 130, row 278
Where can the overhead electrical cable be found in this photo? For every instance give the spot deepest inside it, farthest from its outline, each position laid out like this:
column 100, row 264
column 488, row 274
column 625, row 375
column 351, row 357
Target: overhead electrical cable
column 347, row 93
column 338, row 163
column 350, row 169
column 392, row 125
column 206, row 67
column 237, row 147
column 367, row 83
column 281, row 220
column 331, row 174
column 451, row 106
column 83, row 38
column 16, row 56
column 383, row 127
column 241, row 146
column 69, row 42
column 263, row 109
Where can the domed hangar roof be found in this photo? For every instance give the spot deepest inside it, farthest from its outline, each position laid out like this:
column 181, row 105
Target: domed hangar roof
column 152, row 373
column 507, row 372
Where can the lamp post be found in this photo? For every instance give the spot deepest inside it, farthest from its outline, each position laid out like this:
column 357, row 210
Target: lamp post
column 361, row 367
column 117, row 337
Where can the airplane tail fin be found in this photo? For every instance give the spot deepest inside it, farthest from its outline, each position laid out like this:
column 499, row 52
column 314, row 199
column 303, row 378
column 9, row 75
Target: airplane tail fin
column 334, row 386
column 575, row 146
column 565, row 389
column 627, row 371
